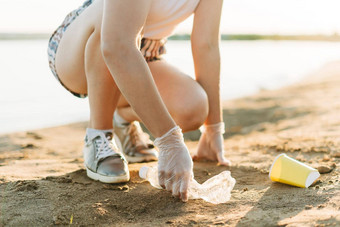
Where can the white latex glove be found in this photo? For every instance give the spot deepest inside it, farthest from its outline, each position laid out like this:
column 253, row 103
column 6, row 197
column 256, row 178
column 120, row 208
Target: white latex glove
column 174, row 163
column 210, row 145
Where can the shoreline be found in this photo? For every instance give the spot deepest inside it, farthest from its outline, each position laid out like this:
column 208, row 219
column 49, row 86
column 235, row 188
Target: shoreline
column 43, row 182
column 224, row 37
column 263, row 72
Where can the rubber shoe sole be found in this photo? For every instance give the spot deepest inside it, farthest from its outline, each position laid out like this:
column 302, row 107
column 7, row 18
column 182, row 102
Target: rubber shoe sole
column 106, row 179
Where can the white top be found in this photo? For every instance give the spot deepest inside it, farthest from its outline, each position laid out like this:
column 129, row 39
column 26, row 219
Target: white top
column 165, row 15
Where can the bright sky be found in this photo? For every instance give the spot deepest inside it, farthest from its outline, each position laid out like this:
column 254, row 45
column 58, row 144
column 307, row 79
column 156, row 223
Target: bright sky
column 239, row 16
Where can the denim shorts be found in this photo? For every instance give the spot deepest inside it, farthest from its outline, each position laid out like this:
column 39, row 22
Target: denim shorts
column 148, row 46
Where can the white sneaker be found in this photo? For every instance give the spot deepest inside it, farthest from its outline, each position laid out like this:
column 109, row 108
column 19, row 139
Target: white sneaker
column 102, row 159
column 134, row 143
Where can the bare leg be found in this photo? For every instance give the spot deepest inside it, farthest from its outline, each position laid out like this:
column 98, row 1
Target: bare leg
column 81, row 67
column 184, row 98
column 128, row 113
column 103, row 92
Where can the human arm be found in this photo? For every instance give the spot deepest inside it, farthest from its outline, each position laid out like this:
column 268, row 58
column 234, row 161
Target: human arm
column 205, row 40
column 123, row 20
column 122, row 23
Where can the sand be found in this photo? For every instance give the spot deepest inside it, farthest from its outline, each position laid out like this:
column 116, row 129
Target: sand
column 43, row 182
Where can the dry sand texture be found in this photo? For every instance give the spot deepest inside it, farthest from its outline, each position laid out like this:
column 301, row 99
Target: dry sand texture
column 42, row 180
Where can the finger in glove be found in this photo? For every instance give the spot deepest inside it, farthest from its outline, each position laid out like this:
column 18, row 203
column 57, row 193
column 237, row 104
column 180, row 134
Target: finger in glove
column 161, row 178
column 169, row 181
column 176, row 186
column 184, row 187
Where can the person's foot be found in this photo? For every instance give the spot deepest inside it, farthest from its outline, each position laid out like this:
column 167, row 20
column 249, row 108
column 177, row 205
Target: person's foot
column 135, row 144
column 102, row 159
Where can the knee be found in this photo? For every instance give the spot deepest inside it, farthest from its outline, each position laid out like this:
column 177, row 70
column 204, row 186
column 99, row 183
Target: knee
column 192, row 113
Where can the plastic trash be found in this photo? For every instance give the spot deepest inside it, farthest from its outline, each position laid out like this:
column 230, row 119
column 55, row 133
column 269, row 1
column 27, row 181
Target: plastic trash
column 290, row 171
column 215, row 190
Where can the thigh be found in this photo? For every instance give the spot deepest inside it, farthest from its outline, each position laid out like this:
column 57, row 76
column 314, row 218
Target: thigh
column 69, row 61
column 179, row 91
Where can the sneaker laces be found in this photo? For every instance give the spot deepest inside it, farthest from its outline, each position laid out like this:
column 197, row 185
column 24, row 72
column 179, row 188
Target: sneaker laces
column 104, row 145
column 138, row 137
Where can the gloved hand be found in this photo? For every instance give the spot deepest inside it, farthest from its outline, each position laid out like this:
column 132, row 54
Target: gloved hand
column 174, row 163
column 210, row 145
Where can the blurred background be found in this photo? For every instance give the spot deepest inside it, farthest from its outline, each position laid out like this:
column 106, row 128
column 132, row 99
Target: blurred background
column 266, row 44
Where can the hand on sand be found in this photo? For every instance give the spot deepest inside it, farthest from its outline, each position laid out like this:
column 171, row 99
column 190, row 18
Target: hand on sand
column 210, row 145
column 174, row 163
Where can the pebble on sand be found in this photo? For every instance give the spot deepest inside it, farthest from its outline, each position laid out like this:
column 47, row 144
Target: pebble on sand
column 325, row 169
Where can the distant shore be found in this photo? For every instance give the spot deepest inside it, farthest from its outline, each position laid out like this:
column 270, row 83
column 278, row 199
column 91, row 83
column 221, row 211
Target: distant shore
column 335, row 37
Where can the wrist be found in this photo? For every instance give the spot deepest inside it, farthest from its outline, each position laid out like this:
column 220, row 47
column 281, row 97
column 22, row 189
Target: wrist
column 169, row 139
column 213, row 128
column 213, row 119
column 214, row 115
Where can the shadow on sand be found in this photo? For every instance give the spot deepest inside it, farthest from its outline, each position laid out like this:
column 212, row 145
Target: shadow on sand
column 288, row 201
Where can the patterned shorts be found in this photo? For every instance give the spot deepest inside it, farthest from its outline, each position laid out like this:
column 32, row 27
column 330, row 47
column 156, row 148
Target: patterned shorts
column 149, row 47
column 55, row 40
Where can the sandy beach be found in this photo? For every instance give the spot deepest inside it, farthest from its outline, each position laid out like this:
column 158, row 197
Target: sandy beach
column 43, row 182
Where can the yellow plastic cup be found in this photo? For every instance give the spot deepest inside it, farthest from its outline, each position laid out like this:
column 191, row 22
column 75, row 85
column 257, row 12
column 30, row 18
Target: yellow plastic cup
column 290, row 171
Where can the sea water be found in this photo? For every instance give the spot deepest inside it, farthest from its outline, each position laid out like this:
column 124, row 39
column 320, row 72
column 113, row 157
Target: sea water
column 31, row 98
